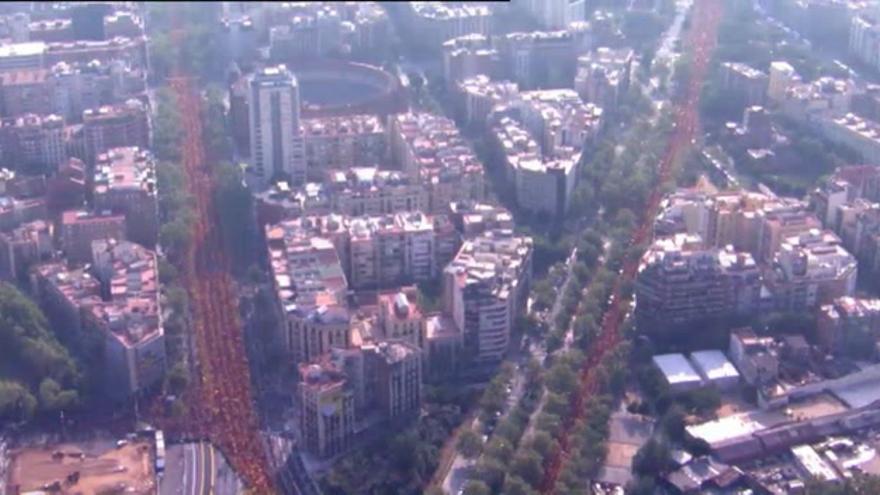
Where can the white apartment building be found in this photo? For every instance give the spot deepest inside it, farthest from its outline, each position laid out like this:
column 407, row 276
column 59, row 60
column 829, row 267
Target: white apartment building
column 485, row 287
column 277, row 145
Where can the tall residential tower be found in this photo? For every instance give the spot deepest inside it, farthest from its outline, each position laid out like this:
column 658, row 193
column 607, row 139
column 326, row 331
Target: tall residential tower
column 276, row 138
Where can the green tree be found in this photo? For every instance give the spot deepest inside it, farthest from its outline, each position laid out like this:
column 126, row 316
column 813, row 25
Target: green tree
column 528, row 466
column 514, row 485
column 16, row 402
column 469, row 444
column 653, row 458
column 473, row 487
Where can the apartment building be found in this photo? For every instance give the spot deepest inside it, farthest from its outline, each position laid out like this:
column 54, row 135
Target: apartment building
column 125, row 184
column 468, row 56
column 116, row 126
column 276, row 141
column 850, row 326
column 754, row 222
column 603, row 75
column 24, row 246
column 25, row 91
column 310, row 288
column 680, row 281
column 860, row 134
column 79, row 228
column 312, row 29
column 353, row 192
column 810, row 269
column 118, row 300
column 343, row 386
column 782, row 76
column 74, row 88
column 343, row 142
column 541, row 149
column 479, row 95
column 326, row 407
column 429, row 150
column 539, row 59
column 34, row 143
column 745, row 79
column 386, row 250
column 437, row 22
column 473, row 218
column 484, row 289
column 557, row 14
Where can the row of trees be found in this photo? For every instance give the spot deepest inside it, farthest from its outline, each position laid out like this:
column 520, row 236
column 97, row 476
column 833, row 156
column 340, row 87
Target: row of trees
column 507, row 464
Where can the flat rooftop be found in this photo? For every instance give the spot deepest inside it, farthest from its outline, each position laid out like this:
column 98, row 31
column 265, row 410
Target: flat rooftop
column 102, row 468
column 676, row 369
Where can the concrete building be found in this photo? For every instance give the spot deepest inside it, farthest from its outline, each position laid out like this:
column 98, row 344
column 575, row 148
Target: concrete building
column 539, row 59
column 679, row 281
column 443, row 348
column 855, row 132
column 850, row 326
column 437, row 22
column 479, row 95
column 318, row 29
column 116, row 126
column 354, row 192
column 819, row 99
column 400, row 317
column 342, row 143
column 344, row 386
column 125, row 183
column 79, row 228
column 23, row 247
column 541, row 185
column 384, row 251
column 25, row 91
column 603, row 75
column 755, row 222
column 117, row 300
column 557, row 14
column 678, row 372
column 33, row 143
column 326, row 408
column 751, row 82
column 847, row 202
column 782, row 76
column 472, row 219
column 864, row 40
column 398, row 378
column 541, row 152
column 811, row 269
column 469, row 56
column 275, row 138
column 75, row 88
column 429, row 150
column 310, row 287
column 755, row 357
column 26, row 55
column 485, row 287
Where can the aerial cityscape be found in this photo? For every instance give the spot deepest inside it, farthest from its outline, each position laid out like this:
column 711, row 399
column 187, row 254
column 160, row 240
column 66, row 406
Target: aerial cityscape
column 524, row 247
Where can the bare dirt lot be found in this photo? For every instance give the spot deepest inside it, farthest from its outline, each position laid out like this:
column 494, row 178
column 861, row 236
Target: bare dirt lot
column 84, row 469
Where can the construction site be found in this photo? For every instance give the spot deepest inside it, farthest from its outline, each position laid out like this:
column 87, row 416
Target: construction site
column 90, row 467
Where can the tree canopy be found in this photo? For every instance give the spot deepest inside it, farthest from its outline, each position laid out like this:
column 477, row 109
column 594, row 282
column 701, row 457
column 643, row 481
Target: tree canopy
column 33, row 363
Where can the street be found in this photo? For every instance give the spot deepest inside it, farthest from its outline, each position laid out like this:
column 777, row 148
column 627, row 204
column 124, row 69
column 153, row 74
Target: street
column 197, row 469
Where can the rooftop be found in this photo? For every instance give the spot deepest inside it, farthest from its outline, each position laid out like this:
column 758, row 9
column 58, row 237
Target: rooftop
column 676, row 369
column 125, row 169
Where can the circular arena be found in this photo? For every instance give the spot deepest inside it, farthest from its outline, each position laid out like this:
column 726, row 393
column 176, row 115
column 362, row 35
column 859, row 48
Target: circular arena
column 333, row 88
